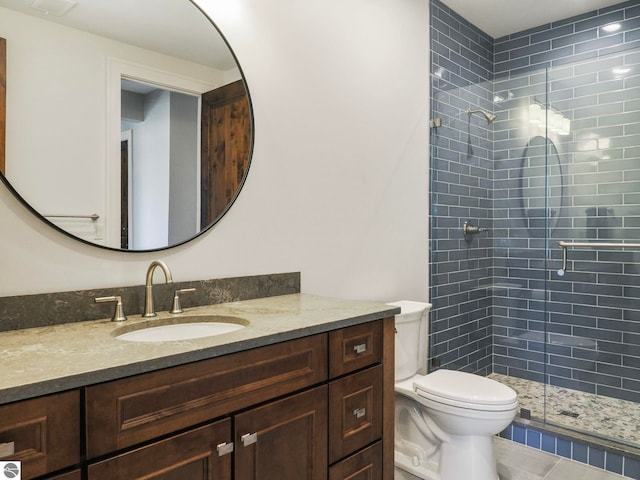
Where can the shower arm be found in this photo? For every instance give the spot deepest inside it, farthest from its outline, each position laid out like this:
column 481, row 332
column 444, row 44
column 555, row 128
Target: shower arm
column 566, row 245
column 488, row 116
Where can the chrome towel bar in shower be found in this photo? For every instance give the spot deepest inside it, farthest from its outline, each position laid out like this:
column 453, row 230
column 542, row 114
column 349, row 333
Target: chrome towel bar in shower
column 566, row 245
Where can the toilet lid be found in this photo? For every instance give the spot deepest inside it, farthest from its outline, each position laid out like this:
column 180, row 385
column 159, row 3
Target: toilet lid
column 464, row 387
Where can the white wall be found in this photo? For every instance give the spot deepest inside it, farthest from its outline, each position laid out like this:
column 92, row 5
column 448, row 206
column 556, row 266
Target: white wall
column 184, row 161
column 338, row 186
column 150, row 193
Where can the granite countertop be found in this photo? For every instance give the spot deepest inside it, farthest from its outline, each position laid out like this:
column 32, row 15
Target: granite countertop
column 39, row 361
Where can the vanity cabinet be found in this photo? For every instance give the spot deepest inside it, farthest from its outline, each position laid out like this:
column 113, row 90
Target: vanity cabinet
column 312, row 408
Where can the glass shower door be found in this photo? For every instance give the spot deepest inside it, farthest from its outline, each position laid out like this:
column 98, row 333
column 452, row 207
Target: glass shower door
column 593, row 371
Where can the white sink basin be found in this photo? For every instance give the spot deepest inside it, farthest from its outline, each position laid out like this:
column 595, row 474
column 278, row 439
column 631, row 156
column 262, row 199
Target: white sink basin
column 188, row 328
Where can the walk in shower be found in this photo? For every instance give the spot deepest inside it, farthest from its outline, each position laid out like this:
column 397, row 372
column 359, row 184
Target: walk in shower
column 570, row 326
column 545, row 294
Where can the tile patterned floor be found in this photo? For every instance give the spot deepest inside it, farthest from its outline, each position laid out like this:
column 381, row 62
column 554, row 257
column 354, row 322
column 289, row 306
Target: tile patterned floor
column 519, row 462
column 604, row 417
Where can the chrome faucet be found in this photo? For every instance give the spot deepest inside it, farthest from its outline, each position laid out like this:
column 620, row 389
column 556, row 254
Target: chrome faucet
column 149, row 310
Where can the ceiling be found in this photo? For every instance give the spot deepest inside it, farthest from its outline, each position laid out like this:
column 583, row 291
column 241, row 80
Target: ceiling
column 155, row 24
column 503, row 17
column 173, row 27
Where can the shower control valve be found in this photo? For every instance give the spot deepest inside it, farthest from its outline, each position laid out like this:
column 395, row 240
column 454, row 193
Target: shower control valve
column 469, row 229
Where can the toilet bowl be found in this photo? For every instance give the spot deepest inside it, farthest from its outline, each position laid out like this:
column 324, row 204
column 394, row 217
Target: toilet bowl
column 445, row 420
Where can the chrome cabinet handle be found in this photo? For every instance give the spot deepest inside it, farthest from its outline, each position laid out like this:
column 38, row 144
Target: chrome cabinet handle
column 224, row 448
column 249, row 439
column 7, row 449
column 360, row 412
column 360, row 348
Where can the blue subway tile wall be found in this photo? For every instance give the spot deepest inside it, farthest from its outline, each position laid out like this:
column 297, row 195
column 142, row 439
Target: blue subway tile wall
column 498, row 303
column 461, row 190
column 568, row 41
column 608, row 460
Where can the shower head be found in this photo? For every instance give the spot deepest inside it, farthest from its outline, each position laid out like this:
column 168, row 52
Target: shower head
column 488, row 116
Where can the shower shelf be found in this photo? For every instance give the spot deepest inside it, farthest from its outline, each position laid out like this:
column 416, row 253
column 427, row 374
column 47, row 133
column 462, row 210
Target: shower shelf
column 566, row 245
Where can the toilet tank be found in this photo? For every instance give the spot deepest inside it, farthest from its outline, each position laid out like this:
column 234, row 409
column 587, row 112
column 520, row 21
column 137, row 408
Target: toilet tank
column 411, row 345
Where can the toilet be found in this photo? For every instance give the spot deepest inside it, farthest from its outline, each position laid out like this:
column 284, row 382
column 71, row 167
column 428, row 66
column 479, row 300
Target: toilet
column 445, row 420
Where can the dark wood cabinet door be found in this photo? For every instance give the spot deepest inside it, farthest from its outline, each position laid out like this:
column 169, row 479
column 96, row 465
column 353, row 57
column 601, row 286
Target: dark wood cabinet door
column 45, row 432
column 193, row 455
column 284, row 440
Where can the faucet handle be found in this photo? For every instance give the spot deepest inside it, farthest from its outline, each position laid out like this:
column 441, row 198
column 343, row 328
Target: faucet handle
column 118, row 314
column 176, row 307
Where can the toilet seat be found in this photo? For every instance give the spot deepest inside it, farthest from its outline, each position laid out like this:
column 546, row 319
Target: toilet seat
column 465, row 390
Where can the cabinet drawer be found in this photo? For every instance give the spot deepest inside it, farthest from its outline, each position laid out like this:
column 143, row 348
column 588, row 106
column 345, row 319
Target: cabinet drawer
column 192, row 455
column 75, row 475
column 364, row 465
column 45, row 432
column 355, row 412
column 126, row 412
column 355, row 347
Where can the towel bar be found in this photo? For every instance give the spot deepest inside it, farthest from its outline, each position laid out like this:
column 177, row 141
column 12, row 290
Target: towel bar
column 565, row 245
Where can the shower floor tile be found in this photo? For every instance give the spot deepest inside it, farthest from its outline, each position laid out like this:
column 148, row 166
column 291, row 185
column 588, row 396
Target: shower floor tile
column 597, row 415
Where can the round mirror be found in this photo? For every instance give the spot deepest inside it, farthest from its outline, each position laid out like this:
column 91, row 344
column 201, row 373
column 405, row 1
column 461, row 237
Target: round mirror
column 128, row 122
column 542, row 184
